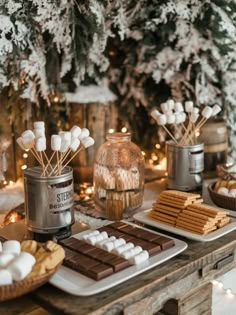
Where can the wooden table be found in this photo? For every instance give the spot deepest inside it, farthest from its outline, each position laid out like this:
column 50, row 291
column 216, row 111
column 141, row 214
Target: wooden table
column 183, row 281
column 180, row 285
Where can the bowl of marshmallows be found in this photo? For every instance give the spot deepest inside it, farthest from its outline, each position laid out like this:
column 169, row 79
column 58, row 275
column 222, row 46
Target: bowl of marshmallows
column 223, row 192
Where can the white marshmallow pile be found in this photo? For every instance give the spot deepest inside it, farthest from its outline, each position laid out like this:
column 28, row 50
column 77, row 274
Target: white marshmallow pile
column 186, row 119
column 118, row 246
column 14, row 264
column 227, row 192
column 62, row 145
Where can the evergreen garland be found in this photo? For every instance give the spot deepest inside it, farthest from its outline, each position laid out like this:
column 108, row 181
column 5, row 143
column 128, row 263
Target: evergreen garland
column 149, row 49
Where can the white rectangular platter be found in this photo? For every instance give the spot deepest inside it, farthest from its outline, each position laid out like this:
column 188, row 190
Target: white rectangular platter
column 143, row 217
column 75, row 283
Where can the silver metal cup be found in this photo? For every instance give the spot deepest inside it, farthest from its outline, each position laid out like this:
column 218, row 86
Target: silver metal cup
column 48, row 200
column 185, row 165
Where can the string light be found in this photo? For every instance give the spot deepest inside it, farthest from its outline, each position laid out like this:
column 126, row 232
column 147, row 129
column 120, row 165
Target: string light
column 124, row 129
column 220, row 286
column 111, row 130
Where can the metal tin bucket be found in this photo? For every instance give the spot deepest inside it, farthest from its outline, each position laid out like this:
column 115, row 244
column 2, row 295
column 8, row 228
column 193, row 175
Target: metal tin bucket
column 185, row 165
column 48, row 200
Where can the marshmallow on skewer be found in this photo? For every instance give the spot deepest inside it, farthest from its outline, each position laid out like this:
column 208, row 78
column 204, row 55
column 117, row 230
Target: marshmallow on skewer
column 170, row 104
column 39, row 125
column 193, row 117
column 170, row 118
column 39, row 132
column 65, row 141
column 161, row 120
column 164, row 107
column 188, row 106
column 207, row 112
column 215, row 110
column 5, row 277
column 88, row 142
column 75, row 143
column 40, row 144
column 178, row 107
column 155, row 114
column 84, row 133
column 28, row 134
column 55, row 142
column 75, row 131
column 19, row 142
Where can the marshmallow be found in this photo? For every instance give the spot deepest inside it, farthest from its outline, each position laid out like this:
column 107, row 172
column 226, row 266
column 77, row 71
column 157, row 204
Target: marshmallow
column 5, row 259
column 39, row 133
column 139, row 258
column 223, row 191
column 84, row 133
column 28, row 134
column 65, row 140
column 75, row 143
column 193, row 117
column 215, row 110
column 5, row 277
column 19, row 141
column 206, row 112
column 55, row 142
column 28, row 143
column 122, row 248
column 178, row 118
column 131, row 252
column 12, row 247
column 170, row 104
column 75, row 131
column 161, row 120
column 21, row 266
column 188, row 106
column 233, row 191
column 195, row 110
column 88, row 234
column 178, row 107
column 183, row 117
column 155, row 113
column 101, row 243
column 39, row 125
column 88, row 142
column 40, row 144
column 170, row 118
column 164, row 107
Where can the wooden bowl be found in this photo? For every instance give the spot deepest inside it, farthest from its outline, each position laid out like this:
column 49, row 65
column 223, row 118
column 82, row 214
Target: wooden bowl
column 221, row 200
column 24, row 286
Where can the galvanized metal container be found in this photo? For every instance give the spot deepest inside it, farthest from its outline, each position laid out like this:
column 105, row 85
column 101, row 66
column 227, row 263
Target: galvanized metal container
column 48, row 200
column 185, row 165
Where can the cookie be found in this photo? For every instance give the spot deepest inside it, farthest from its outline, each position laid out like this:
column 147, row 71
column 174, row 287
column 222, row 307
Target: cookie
column 29, row 246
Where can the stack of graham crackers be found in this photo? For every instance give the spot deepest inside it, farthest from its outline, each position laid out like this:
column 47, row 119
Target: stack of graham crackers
column 186, row 211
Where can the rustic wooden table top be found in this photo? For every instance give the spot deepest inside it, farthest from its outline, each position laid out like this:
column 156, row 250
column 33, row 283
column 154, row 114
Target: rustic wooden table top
column 141, row 295
column 198, row 261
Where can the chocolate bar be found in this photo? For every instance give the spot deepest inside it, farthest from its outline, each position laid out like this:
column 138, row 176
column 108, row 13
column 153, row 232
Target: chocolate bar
column 102, row 259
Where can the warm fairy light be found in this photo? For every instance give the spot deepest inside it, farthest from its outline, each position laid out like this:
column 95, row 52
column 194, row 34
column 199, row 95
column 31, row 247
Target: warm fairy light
column 24, row 167
column 158, row 146
column 154, row 157
column 111, row 130
column 89, row 190
column 5, row 182
column 25, row 155
column 56, row 99
column 158, row 167
column 197, row 133
column 220, row 285
column 124, row 129
column 86, row 191
column 11, row 183
column 143, row 153
column 214, row 282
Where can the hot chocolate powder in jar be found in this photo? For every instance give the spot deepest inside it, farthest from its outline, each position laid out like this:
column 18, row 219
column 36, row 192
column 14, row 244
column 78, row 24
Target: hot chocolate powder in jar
column 118, row 176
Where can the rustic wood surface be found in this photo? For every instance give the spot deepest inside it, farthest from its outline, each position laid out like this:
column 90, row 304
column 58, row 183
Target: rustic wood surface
column 179, row 279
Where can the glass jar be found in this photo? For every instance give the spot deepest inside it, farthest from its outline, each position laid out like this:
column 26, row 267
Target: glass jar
column 118, row 176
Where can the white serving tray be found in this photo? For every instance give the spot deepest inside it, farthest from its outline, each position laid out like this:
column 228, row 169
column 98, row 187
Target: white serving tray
column 143, row 217
column 75, row 283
